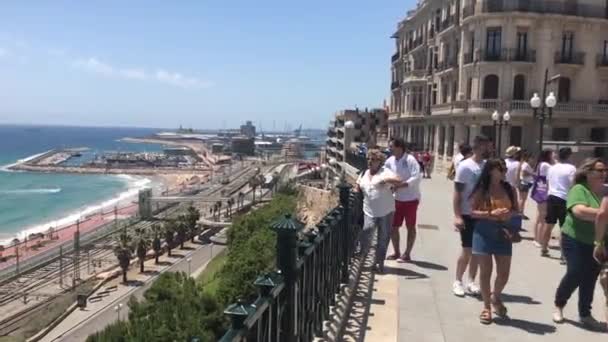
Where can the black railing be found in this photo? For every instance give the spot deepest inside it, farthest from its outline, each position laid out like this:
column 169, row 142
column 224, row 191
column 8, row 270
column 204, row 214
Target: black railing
column 294, row 301
column 496, row 55
column 394, row 85
column 521, row 55
column 546, row 7
column 602, row 60
column 562, row 57
column 447, row 64
column 468, row 58
column 395, row 57
column 447, row 23
column 468, row 11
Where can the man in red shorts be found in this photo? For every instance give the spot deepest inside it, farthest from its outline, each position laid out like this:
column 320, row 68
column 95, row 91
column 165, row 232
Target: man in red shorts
column 407, row 197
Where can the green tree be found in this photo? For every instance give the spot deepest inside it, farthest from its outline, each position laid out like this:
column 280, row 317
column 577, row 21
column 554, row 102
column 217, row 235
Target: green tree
column 192, row 217
column 181, row 227
column 156, row 243
column 169, row 228
column 124, row 252
column 142, row 244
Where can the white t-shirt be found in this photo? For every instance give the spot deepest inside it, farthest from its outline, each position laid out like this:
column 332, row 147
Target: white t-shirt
column 408, row 169
column 512, row 169
column 468, row 173
column 543, row 169
column 377, row 196
column 560, row 179
column 457, row 159
column 526, row 168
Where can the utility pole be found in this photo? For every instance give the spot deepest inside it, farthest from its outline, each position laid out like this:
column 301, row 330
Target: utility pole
column 17, row 256
column 76, row 254
column 60, row 266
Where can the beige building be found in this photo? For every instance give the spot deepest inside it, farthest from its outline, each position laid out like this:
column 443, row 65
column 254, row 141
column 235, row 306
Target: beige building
column 458, row 61
column 366, row 127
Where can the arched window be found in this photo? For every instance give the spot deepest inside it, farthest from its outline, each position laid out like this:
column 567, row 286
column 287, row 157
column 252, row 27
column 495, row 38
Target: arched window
column 490, row 87
column 563, row 92
column 519, row 87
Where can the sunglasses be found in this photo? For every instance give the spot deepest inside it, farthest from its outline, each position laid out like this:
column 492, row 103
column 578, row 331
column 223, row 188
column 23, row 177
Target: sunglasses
column 600, row 170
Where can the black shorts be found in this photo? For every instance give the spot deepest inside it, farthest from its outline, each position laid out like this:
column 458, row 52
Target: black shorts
column 556, row 210
column 525, row 186
column 466, row 235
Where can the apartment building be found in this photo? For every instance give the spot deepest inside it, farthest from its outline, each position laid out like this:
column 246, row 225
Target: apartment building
column 458, row 61
column 352, row 127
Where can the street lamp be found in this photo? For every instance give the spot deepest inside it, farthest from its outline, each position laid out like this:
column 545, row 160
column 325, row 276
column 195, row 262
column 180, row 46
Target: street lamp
column 499, row 122
column 538, row 106
column 117, row 308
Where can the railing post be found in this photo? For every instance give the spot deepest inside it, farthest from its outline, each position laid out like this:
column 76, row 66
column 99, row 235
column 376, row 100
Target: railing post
column 287, row 256
column 344, row 189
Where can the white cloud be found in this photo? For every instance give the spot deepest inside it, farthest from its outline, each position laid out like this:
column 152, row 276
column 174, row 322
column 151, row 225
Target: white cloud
column 162, row 76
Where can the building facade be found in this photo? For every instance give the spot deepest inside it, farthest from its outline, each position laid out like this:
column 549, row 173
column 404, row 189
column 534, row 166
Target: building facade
column 458, row 61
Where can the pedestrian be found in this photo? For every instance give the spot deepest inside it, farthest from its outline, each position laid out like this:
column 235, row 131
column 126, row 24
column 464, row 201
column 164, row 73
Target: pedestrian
column 526, row 180
column 407, row 197
column 599, row 251
column 464, row 152
column 559, row 180
column 513, row 154
column 497, row 225
column 378, row 205
column 539, row 193
column 467, row 175
column 578, row 236
column 426, row 162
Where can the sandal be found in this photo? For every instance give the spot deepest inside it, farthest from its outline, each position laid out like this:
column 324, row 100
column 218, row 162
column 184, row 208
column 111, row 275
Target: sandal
column 485, row 317
column 392, row 257
column 499, row 307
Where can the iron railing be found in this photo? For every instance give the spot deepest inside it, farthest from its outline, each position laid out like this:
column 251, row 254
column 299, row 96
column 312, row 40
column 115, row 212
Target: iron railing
column 546, row 7
column 602, row 60
column 395, row 57
column 395, row 85
column 521, row 55
column 562, row 57
column 294, row 301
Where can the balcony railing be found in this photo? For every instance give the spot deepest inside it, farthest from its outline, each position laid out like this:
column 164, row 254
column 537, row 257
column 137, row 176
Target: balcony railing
column 491, row 104
column 395, row 57
column 468, row 11
column 562, row 107
column 468, row 58
column 520, row 55
column 602, row 60
column 498, row 55
column 447, row 64
column 446, row 23
column 394, row 85
column 577, row 58
column 545, row 7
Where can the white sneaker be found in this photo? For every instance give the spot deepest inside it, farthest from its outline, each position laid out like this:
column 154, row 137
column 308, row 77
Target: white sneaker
column 473, row 289
column 592, row 324
column 536, row 244
column 558, row 316
column 458, row 289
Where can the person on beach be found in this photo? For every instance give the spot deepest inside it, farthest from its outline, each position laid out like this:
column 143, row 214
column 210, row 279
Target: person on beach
column 407, row 197
column 578, row 238
column 467, row 175
column 526, row 180
column 544, row 162
column 494, row 207
column 378, row 205
column 559, row 180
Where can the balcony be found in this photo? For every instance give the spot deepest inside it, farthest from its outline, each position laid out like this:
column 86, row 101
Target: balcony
column 483, row 105
column 602, row 60
column 519, row 55
column 573, row 58
column 447, row 23
column 587, row 108
column 395, row 85
column 449, row 63
column 395, row 57
column 468, row 58
column 393, row 116
column 498, row 55
column 545, row 7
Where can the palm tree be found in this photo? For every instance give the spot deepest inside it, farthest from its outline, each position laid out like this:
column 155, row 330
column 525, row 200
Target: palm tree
column 169, row 229
column 192, row 217
column 156, row 243
column 142, row 245
column 124, row 252
column 181, row 228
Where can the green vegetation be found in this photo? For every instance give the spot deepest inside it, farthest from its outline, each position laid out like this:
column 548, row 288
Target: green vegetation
column 178, row 308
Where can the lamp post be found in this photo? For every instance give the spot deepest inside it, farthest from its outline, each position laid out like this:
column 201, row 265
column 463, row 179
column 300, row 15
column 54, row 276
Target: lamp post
column 117, row 308
column 539, row 107
column 499, row 122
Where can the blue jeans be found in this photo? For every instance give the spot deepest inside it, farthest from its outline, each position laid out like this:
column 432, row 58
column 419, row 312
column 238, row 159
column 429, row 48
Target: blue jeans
column 383, row 225
column 582, row 272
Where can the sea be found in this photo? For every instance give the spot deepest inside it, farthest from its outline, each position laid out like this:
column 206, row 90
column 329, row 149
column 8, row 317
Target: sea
column 32, row 202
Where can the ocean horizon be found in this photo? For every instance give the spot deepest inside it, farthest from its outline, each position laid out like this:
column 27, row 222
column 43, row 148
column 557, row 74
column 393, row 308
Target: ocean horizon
column 32, row 202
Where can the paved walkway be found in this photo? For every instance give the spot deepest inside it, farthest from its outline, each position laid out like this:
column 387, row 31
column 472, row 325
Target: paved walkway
column 427, row 311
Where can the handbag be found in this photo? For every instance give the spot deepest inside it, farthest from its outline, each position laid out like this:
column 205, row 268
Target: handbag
column 539, row 189
column 501, row 231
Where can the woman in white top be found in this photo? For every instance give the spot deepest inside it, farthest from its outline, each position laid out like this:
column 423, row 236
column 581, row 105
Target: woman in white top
column 545, row 161
column 526, row 180
column 378, row 205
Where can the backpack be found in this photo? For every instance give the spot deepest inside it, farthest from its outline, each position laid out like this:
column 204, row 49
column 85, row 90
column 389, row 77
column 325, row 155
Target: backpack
column 451, row 172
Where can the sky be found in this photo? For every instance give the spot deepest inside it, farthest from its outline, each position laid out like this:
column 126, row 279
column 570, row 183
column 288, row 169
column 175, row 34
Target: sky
column 201, row 64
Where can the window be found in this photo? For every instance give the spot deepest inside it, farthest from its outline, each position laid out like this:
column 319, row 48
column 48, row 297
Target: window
column 454, row 91
column 563, row 92
column 488, row 131
column 597, row 134
column 444, row 92
column 561, row 134
column 605, row 53
column 493, row 43
column 451, row 134
column 521, row 51
column 567, row 45
column 434, row 96
column 490, row 87
column 440, row 148
column 515, row 136
column 469, row 87
column 519, row 87
column 472, row 45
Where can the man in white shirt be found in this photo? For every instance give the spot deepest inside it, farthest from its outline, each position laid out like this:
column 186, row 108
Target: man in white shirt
column 407, row 197
column 559, row 180
column 467, row 174
column 512, row 161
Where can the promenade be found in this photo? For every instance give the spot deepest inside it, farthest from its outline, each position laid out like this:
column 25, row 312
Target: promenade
column 414, row 301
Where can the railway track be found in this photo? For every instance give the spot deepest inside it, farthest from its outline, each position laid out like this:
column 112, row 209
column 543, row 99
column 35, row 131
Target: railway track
column 47, row 274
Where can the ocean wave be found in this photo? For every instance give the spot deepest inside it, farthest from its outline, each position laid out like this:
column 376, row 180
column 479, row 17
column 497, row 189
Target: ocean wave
column 30, row 191
column 135, row 184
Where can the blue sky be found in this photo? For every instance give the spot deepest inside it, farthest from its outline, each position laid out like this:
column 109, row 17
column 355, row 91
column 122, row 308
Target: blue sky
column 205, row 64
